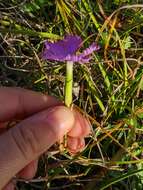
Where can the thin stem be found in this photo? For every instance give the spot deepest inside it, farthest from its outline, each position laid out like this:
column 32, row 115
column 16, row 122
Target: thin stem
column 68, row 83
column 68, row 97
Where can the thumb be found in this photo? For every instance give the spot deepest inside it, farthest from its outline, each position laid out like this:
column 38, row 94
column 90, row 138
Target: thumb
column 30, row 138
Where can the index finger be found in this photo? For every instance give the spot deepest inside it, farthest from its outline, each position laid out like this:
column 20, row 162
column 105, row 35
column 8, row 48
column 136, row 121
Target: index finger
column 18, row 103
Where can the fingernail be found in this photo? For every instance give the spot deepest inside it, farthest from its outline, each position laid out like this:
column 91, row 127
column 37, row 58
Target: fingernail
column 75, row 145
column 81, row 143
column 72, row 143
column 86, row 128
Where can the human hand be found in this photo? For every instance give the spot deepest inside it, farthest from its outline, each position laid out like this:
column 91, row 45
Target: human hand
column 43, row 121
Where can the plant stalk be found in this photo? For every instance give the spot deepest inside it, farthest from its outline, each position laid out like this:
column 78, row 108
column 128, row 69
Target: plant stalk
column 68, row 83
column 68, row 97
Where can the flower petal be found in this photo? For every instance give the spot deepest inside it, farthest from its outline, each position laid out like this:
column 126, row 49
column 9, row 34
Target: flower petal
column 61, row 49
column 93, row 47
column 85, row 56
column 77, row 58
column 74, row 58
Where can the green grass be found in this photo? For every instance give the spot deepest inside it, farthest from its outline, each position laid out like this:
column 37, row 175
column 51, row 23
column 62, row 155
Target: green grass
column 111, row 85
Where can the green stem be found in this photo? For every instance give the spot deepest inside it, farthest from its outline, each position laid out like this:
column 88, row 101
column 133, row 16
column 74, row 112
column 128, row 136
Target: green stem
column 68, row 83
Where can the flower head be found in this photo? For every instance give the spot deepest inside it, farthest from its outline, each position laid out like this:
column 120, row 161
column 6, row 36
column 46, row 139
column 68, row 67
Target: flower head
column 65, row 50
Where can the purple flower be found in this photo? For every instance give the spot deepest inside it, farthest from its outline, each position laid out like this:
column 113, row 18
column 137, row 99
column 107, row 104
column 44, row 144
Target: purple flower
column 65, row 50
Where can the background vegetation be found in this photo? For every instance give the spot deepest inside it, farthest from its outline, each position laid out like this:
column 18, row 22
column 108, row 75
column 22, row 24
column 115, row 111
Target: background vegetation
column 109, row 89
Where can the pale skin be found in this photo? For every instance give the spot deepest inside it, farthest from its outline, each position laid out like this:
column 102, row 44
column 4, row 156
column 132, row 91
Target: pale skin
column 42, row 121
